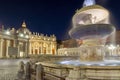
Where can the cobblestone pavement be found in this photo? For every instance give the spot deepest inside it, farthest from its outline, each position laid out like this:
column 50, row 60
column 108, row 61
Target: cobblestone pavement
column 9, row 68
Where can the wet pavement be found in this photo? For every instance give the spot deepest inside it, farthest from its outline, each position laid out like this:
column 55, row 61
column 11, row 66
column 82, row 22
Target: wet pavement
column 9, row 68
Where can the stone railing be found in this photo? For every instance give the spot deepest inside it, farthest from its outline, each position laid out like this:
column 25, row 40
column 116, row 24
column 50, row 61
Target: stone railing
column 30, row 71
column 53, row 71
column 71, row 72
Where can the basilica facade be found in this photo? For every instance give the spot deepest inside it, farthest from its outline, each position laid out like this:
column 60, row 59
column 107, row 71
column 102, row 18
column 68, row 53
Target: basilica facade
column 23, row 42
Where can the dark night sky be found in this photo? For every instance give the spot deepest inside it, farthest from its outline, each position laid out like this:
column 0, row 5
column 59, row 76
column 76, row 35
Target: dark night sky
column 49, row 16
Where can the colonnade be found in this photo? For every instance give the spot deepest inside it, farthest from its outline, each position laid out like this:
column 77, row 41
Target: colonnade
column 9, row 47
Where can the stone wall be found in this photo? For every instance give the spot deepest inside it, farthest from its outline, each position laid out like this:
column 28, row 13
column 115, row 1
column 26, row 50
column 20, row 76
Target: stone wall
column 70, row 72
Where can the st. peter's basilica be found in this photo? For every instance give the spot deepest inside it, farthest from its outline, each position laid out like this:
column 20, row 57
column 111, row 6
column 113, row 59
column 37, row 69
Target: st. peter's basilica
column 23, row 42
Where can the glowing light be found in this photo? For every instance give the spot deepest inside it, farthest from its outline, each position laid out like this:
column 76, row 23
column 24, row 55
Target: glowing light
column 64, row 62
column 88, row 3
column 7, row 32
column 113, row 65
column 98, row 63
column 88, row 64
column 102, row 64
column 111, row 47
column 21, row 35
column 26, row 36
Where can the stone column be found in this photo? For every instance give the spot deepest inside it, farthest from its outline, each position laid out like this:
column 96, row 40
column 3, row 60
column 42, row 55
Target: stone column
column 39, row 72
column 55, row 48
column 41, row 48
column 51, row 47
column 47, row 49
column 30, row 48
column 1, row 48
column 18, row 49
column 118, row 52
column 38, row 50
column 115, row 52
column 33, row 50
column 26, row 49
column 7, row 46
column 14, row 43
column 23, row 49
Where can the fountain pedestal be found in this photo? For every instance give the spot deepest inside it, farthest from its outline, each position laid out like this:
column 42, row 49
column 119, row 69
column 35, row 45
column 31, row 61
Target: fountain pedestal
column 76, row 74
column 90, row 51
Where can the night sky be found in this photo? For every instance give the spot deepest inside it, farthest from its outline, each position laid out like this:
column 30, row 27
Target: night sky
column 49, row 16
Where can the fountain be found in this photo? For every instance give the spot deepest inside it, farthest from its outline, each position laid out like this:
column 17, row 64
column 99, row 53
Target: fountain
column 91, row 25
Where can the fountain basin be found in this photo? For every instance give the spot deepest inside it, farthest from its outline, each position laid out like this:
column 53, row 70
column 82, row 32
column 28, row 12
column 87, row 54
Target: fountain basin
column 92, row 31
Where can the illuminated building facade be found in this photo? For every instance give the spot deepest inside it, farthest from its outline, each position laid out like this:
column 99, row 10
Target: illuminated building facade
column 22, row 43
column 40, row 44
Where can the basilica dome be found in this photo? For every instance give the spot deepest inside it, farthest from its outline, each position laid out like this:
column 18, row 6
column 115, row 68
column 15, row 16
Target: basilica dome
column 24, row 29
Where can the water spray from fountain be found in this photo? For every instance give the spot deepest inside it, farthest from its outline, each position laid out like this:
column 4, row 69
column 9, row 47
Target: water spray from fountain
column 88, row 3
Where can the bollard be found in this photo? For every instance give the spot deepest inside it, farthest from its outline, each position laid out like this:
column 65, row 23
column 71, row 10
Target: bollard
column 27, row 71
column 20, row 74
column 39, row 72
column 21, row 66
